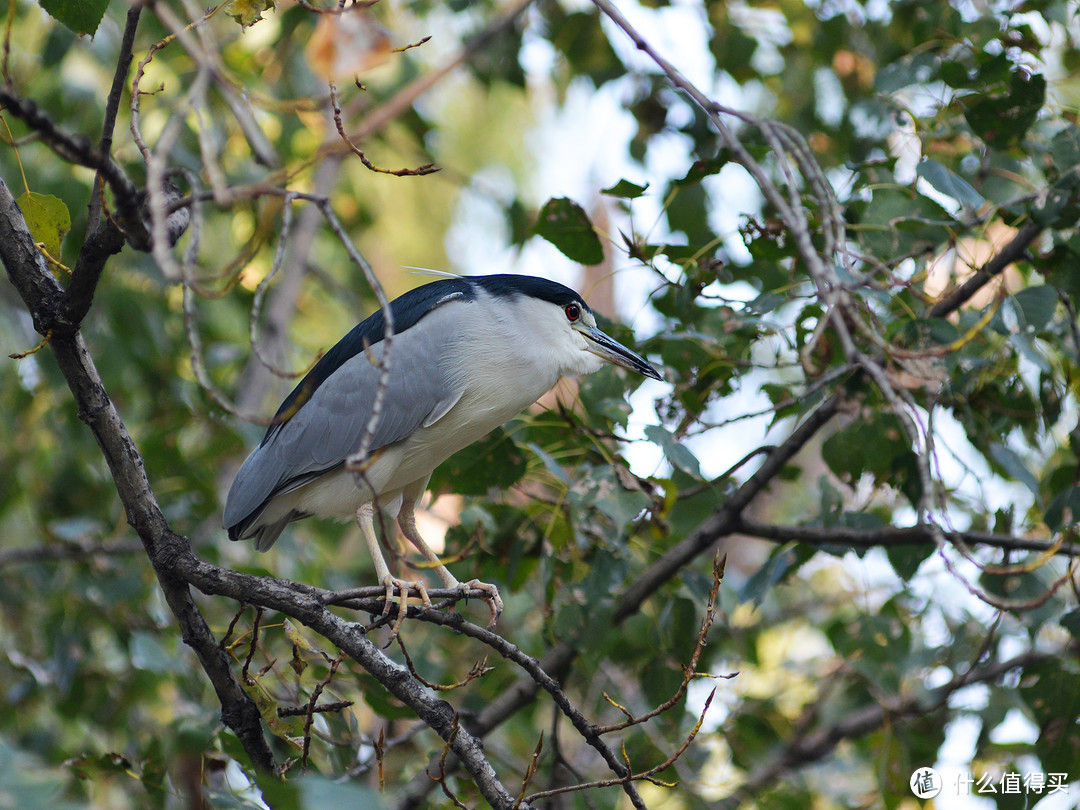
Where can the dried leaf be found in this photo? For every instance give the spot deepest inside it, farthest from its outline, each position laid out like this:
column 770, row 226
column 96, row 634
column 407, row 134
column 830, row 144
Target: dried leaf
column 347, row 44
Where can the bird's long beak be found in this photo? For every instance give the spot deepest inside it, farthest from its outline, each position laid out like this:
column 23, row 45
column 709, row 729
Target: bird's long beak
column 614, row 352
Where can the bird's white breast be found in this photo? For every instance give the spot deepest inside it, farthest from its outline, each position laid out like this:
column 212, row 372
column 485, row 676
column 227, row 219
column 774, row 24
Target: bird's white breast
column 503, row 365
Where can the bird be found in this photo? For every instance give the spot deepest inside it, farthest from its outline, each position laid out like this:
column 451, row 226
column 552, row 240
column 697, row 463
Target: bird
column 371, row 420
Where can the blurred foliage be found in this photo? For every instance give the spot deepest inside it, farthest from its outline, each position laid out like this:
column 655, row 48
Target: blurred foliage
column 943, row 129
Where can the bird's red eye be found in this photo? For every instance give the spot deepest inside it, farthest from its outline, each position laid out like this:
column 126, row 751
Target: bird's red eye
column 573, row 312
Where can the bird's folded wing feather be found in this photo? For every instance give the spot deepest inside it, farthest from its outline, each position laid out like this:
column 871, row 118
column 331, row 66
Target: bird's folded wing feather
column 330, row 425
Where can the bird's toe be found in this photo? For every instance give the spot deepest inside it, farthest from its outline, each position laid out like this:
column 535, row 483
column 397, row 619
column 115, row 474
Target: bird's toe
column 491, row 596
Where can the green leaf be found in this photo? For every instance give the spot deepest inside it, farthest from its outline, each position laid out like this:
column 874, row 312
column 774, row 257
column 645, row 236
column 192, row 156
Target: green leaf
column 81, row 16
column 95, row 767
column 949, row 183
column 1025, row 345
column 601, row 491
column 1065, row 148
column 906, row 560
column 688, row 211
column 581, row 39
column 701, row 169
column 1002, row 121
column 310, row 790
column 784, row 562
column 624, row 188
column 898, row 220
column 26, row 781
column 494, row 462
column 1052, row 695
column 319, row 792
column 1016, row 468
column 911, row 70
column 1038, row 305
column 675, row 451
column 1064, row 509
column 565, row 224
column 1071, row 622
column 48, row 219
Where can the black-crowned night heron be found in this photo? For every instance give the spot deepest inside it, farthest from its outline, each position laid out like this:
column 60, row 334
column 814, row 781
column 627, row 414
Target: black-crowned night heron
column 466, row 355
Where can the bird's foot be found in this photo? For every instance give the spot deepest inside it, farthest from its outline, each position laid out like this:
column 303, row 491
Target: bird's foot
column 491, row 596
column 403, row 587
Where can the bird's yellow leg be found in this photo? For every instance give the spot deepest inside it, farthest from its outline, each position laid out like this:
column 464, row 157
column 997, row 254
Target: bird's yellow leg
column 365, row 517
column 407, row 522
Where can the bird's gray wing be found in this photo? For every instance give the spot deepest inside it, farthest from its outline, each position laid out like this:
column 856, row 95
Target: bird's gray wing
column 329, row 425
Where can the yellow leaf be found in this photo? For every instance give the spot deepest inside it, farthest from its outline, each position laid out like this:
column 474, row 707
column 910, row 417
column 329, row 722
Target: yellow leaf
column 290, row 729
column 48, row 219
column 249, row 12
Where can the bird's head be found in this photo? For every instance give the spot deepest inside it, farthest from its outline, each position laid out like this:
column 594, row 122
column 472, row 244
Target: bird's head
column 561, row 326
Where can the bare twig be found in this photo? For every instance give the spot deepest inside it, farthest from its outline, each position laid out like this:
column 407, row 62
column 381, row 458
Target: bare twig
column 689, row 670
column 479, row 670
column 316, row 693
column 427, row 168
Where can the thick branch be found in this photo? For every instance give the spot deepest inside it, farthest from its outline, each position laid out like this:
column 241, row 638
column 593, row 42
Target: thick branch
column 307, row 604
column 43, row 295
column 726, row 519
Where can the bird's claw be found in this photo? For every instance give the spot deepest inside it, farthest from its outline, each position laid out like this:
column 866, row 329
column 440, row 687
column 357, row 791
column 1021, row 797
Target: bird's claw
column 491, row 596
column 403, row 588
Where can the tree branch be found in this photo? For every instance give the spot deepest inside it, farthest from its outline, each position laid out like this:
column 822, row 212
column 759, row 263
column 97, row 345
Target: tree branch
column 890, row 536
column 1012, row 252
column 724, row 521
column 65, row 551
column 104, row 239
column 112, row 107
column 43, row 295
column 77, row 150
column 820, row 742
column 176, row 566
